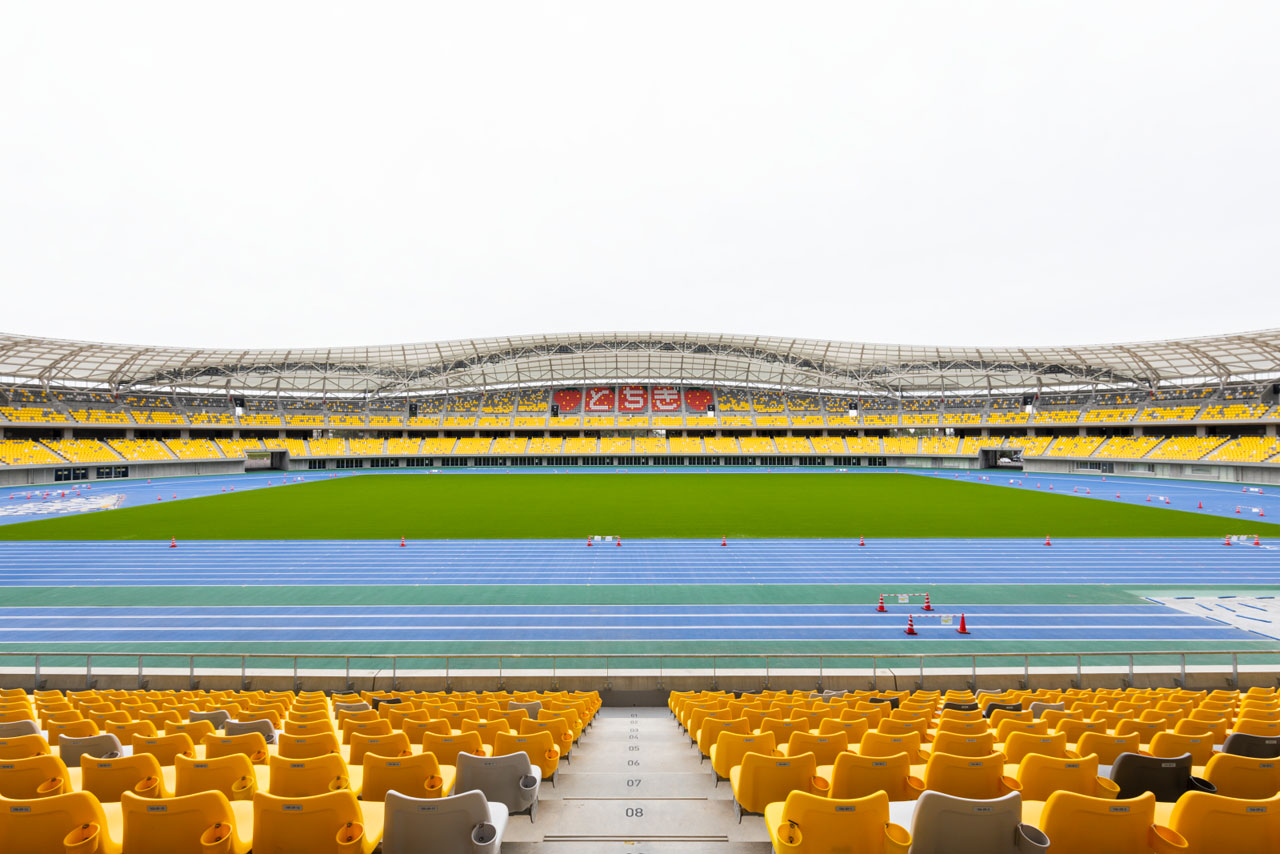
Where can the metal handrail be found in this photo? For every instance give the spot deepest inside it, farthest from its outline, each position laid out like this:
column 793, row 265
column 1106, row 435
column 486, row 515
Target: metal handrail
column 770, row 663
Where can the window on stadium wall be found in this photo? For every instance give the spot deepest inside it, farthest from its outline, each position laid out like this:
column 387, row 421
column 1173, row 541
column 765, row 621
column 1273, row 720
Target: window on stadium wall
column 314, row 465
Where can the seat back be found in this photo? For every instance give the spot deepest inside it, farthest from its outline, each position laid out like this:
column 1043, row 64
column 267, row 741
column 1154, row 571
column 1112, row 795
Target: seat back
column 510, row 779
column 764, row 779
column 42, row 826
column 447, row 747
column 1167, row 777
column 396, row 744
column 1080, row 823
column 712, row 727
column 418, row 776
column 301, row 778
column 72, row 729
column 232, row 775
column 809, row 822
column 961, row 744
column 22, row 746
column 18, row 728
column 1243, row 776
column 293, row 825
column 825, row 748
column 1213, row 823
column 34, row 777
column 261, row 726
column 251, row 744
column 1040, row 776
column 217, row 717
column 977, row 777
column 883, row 744
column 176, row 825
column 102, row 745
column 1259, row 746
column 1019, row 744
column 487, row 730
column 730, row 747
column 945, row 824
column 307, row 746
column 107, row 779
column 165, row 748
column 462, row 822
column 1107, row 747
column 1173, row 744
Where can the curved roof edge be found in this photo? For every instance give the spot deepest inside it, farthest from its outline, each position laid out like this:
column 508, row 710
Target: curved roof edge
column 622, row 357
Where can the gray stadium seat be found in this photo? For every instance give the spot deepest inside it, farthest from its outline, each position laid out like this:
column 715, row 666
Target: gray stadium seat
column 218, row 717
column 102, row 746
column 945, row 824
column 510, row 780
column 13, row 729
column 1167, row 778
column 241, row 727
column 460, row 824
column 1253, row 746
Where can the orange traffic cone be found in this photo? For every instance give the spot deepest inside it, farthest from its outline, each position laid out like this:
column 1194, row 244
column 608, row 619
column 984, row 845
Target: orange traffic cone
column 1117, row 495
column 926, row 606
column 402, row 542
column 1199, row 505
column 1237, row 508
column 175, row 496
column 173, row 542
column 1166, row 501
column 911, row 626
column 880, row 607
column 1257, row 541
column 1226, row 541
column 964, row 629
column 862, row 541
column 1047, row 541
column 724, row 541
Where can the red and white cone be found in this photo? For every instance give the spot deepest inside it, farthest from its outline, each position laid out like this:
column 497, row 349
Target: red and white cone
column 926, row 606
column 880, row 607
column 964, row 629
column 911, row 626
column 1199, row 505
column 1047, row 541
column 588, row 542
column 1257, row 541
column 402, row 542
column 1117, row 495
column 1226, row 541
column 862, row 541
column 1237, row 508
column 1166, row 501
column 173, row 542
column 724, row 541
column 618, row 542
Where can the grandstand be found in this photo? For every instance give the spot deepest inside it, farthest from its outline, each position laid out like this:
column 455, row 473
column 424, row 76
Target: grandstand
column 1151, row 409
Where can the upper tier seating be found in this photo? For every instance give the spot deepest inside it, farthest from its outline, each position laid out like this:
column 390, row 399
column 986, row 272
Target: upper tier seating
column 31, row 415
column 1169, row 413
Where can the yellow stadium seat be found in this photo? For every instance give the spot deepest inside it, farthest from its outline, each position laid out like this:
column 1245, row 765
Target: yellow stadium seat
column 34, row 777
column 976, row 777
column 107, row 779
column 1020, row 744
column 73, row 822
column 959, row 744
column 447, row 747
column 165, row 748
column 881, row 744
column 1107, row 747
column 1243, row 776
column 199, row 823
column 332, row 823
column 1079, row 824
column 300, row 778
column 251, row 744
column 730, row 747
column 1040, row 776
column 395, row 744
column 539, row 746
column 809, row 823
column 1213, row 823
column 232, row 775
column 418, row 776
column 760, row 780
column 856, row 776
column 825, row 748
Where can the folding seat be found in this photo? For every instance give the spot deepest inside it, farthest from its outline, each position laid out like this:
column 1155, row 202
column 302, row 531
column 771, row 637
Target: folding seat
column 1258, row 746
column 531, row 708
column 993, row 708
column 1079, row 824
column 1243, row 776
column 22, row 746
column 1214, row 823
column 218, row 717
column 1020, row 744
column 1011, row 725
column 805, row 822
column 14, row 729
column 539, row 747
column 570, row 716
column 1169, row 778
column 1171, row 744
column 711, row 729
column 694, row 720
column 871, row 713
column 251, row 744
column 447, row 747
column 193, row 824
column 126, row 731
column 308, row 727
column 160, row 718
column 962, row 708
column 1039, row 709
column 1145, row 729
column 825, row 748
column 881, row 744
column 1107, row 747
column 108, row 778
column 1253, row 726
column 332, row 823
column 164, row 747
column 354, row 706
column 957, row 744
column 1109, row 718
column 73, row 729
column 760, row 780
column 1215, row 729
column 102, row 746
column 1074, row 728
column 396, row 744
column 418, row 776
column 464, row 822
column 979, row 777
column 1040, row 776
column 558, row 727
column 945, row 824
column 298, row 715
column 307, row 746
column 415, row 729
column 261, row 726
column 379, row 726
column 488, row 730
column 511, row 780
column 853, row 729
column 889, row 726
column 300, row 778
column 811, row 717
column 34, row 777
column 196, row 729
column 730, row 747
column 233, row 775
column 361, row 715
column 72, row 822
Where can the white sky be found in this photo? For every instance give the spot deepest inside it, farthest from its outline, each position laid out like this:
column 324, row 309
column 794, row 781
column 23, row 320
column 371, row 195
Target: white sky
column 291, row 174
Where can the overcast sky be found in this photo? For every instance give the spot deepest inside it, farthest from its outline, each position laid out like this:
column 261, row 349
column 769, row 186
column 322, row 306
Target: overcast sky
column 293, row 174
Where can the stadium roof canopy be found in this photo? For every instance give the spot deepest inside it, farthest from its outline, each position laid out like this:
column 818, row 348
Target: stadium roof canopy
column 682, row 358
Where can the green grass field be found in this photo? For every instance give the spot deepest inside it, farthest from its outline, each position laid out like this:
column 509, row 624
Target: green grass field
column 636, row 505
